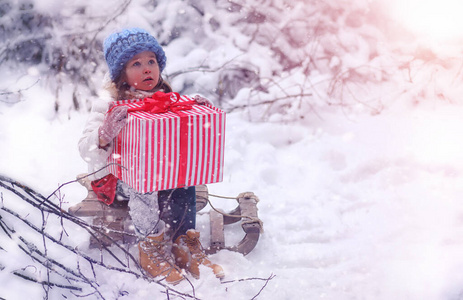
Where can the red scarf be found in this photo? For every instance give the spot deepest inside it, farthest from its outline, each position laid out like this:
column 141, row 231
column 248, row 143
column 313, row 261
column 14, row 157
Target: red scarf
column 105, row 188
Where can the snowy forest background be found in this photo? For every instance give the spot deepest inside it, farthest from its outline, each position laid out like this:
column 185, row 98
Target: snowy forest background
column 344, row 121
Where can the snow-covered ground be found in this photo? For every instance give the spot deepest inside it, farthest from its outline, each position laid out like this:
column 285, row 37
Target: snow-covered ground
column 354, row 206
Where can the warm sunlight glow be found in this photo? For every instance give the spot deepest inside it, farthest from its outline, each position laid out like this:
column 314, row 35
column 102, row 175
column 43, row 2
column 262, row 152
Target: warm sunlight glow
column 436, row 19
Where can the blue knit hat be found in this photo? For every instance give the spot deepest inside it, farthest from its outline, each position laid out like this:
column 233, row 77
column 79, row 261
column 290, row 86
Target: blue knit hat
column 121, row 46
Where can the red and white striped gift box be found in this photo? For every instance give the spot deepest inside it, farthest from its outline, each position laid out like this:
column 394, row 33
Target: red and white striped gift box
column 168, row 150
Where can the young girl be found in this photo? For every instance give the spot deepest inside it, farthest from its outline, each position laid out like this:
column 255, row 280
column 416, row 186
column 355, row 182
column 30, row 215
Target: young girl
column 164, row 220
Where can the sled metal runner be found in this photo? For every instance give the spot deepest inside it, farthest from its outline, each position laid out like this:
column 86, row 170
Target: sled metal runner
column 115, row 220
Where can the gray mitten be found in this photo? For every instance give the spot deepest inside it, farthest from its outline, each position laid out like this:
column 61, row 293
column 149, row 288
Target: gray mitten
column 201, row 100
column 115, row 120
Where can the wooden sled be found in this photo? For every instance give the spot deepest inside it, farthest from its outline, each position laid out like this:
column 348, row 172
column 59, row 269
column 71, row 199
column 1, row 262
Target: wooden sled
column 117, row 225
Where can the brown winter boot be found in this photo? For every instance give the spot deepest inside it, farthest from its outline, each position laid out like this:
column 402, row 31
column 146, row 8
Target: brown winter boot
column 189, row 254
column 156, row 259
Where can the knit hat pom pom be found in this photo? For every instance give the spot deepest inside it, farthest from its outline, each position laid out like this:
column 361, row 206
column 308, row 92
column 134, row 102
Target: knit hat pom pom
column 121, row 46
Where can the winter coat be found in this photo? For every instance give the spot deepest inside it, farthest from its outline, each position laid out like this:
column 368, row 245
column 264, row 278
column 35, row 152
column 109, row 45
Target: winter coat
column 89, row 149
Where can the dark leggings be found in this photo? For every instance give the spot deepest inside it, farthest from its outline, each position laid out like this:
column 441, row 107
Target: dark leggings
column 178, row 210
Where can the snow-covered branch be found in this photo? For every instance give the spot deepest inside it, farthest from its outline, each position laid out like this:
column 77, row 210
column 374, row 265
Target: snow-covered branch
column 37, row 240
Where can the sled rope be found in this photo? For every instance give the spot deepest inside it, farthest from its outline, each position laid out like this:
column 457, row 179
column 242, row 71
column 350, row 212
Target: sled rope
column 223, row 197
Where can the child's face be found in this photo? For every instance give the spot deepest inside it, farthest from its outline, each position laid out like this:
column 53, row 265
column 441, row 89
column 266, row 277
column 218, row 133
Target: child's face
column 142, row 71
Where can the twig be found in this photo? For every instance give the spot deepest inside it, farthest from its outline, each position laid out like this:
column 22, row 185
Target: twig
column 88, row 175
column 202, row 69
column 249, row 279
column 45, row 204
column 266, row 102
column 46, row 283
column 44, row 234
column 267, row 280
column 119, row 11
column 19, row 90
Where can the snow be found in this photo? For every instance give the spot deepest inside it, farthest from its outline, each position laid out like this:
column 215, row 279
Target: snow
column 353, row 208
column 354, row 205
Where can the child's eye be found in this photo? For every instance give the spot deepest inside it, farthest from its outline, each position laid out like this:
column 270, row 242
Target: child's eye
column 136, row 64
column 152, row 62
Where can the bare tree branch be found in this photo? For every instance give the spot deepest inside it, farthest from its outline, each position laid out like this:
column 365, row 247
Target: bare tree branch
column 46, row 208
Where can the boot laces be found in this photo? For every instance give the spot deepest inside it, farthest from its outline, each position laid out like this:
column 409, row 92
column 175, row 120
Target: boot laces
column 156, row 251
column 195, row 247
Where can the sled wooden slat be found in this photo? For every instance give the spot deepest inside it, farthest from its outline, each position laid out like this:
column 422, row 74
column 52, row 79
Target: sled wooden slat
column 217, row 240
column 92, row 207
